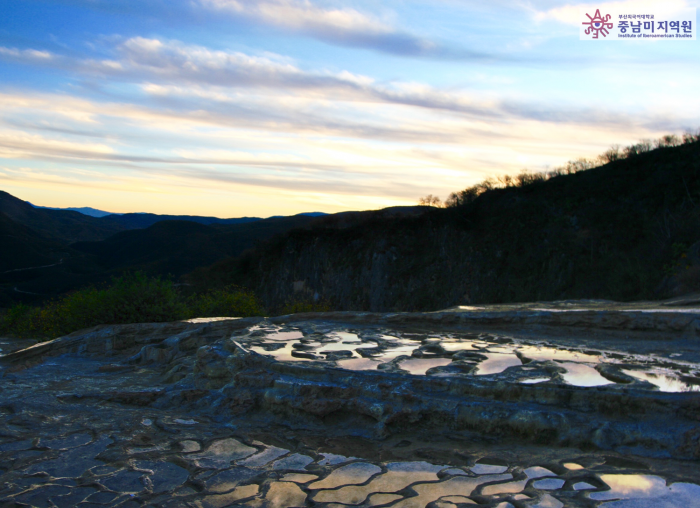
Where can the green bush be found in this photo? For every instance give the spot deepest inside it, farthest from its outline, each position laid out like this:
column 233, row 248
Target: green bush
column 230, row 301
column 16, row 319
column 132, row 298
column 296, row 305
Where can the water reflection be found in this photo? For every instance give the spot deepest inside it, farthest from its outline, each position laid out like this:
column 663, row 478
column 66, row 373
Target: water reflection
column 497, row 362
column 358, row 364
column 398, row 476
column 345, row 344
column 665, row 382
column 562, row 355
column 242, row 472
column 580, row 374
column 630, row 485
column 452, row 346
column 395, row 351
column 419, row 366
column 283, row 354
column 534, row 380
column 352, row 474
column 493, row 355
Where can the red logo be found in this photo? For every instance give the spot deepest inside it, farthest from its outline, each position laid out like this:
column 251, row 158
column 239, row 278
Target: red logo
column 597, row 24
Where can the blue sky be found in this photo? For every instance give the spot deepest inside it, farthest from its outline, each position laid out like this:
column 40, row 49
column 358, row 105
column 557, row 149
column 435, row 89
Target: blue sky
column 271, row 107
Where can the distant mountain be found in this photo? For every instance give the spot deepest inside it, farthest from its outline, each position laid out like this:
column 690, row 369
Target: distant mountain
column 144, row 220
column 47, row 252
column 134, row 220
column 177, row 247
column 33, row 267
column 64, row 226
column 307, row 214
column 85, row 210
column 70, row 225
column 22, row 248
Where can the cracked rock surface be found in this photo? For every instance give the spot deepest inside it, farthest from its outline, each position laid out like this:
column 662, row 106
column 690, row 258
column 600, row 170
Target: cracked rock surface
column 532, row 406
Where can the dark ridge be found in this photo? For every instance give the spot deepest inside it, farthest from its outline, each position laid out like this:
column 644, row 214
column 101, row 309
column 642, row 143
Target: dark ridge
column 85, row 210
column 144, row 220
column 176, row 247
column 39, row 259
column 627, row 230
column 23, row 248
column 61, row 225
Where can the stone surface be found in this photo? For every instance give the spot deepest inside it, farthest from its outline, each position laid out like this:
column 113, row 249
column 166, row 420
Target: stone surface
column 213, row 413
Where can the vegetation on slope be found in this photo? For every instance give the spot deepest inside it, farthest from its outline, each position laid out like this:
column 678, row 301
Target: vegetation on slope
column 22, row 247
column 624, row 229
column 132, row 298
column 50, row 268
column 64, row 226
column 526, row 178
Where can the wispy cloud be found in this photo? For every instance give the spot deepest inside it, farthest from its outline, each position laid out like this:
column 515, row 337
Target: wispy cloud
column 174, row 61
column 142, row 58
column 340, row 26
column 215, row 154
column 26, row 55
column 161, row 67
column 15, row 144
column 189, row 105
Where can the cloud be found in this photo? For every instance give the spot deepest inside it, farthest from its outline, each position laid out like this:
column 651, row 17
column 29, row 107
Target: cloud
column 173, row 61
column 238, row 90
column 233, row 89
column 339, row 26
column 25, row 55
column 15, row 144
column 217, row 154
column 302, row 14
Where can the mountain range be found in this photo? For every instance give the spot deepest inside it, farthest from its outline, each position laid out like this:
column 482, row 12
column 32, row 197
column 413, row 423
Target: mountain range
column 626, row 229
column 85, row 210
column 94, row 212
column 47, row 252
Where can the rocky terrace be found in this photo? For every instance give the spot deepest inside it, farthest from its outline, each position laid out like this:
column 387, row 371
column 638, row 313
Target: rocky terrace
column 577, row 404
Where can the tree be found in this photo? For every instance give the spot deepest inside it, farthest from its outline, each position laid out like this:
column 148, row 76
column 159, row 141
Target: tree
column 430, row 200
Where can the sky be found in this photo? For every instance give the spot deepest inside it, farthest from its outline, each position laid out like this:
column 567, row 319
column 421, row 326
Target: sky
column 234, row 108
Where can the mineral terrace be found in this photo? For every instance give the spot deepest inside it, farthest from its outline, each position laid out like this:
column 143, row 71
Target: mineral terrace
column 576, row 404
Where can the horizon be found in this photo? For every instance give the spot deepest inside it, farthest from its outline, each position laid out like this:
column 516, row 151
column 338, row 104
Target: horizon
column 79, row 208
column 233, row 108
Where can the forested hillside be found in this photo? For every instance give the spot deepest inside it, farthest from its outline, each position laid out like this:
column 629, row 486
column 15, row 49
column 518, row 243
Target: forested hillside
column 624, row 230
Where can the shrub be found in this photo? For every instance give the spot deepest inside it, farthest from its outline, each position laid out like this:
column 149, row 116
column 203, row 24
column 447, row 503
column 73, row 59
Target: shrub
column 526, row 178
column 230, row 301
column 611, row 154
column 430, row 200
column 691, row 137
column 668, row 140
column 297, row 304
column 17, row 318
column 132, row 298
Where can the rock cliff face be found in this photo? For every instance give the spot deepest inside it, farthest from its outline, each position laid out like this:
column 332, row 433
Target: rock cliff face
column 416, row 266
column 435, row 261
